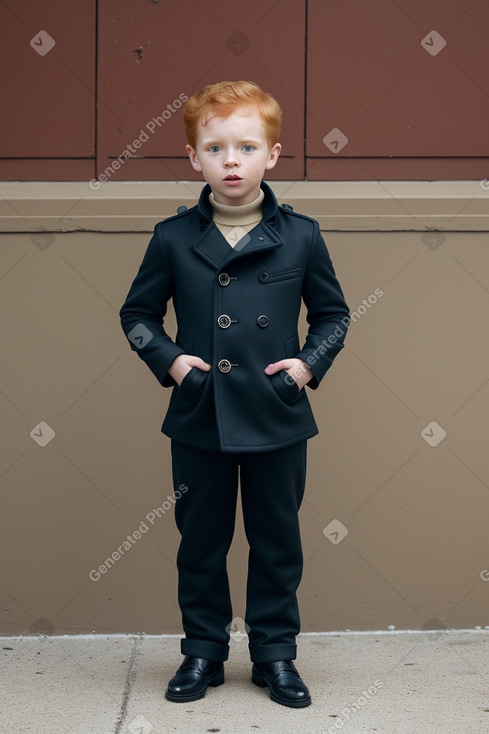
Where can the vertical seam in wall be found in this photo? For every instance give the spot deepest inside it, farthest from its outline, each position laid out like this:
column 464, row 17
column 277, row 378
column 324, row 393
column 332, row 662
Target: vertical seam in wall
column 304, row 144
column 130, row 678
column 95, row 101
column 96, row 115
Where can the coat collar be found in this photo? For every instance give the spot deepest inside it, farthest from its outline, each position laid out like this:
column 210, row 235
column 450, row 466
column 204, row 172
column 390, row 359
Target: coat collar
column 212, row 246
column 269, row 205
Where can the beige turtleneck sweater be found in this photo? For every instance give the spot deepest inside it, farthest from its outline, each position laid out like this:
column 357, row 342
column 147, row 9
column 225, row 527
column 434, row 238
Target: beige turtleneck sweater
column 235, row 221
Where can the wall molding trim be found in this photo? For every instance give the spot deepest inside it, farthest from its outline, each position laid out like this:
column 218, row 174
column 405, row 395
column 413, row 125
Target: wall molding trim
column 134, row 206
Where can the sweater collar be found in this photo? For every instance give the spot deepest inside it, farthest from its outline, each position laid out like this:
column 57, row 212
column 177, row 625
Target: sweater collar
column 269, row 204
column 231, row 216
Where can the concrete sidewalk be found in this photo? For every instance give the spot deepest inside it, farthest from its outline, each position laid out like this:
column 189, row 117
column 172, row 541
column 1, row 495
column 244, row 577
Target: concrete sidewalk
column 386, row 682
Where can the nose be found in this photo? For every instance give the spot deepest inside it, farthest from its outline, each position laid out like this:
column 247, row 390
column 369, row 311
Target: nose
column 231, row 159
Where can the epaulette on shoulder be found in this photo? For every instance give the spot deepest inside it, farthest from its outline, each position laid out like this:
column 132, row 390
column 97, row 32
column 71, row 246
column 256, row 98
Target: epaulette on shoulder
column 181, row 212
column 299, row 215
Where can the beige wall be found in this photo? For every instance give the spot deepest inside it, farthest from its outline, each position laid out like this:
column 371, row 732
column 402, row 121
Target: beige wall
column 416, row 548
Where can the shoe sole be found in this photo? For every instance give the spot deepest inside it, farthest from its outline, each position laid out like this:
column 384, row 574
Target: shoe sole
column 260, row 681
column 216, row 680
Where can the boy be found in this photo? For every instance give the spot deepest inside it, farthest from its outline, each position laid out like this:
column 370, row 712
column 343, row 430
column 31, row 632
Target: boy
column 236, row 266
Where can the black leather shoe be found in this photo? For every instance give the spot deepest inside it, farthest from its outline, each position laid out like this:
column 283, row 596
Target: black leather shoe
column 285, row 684
column 192, row 678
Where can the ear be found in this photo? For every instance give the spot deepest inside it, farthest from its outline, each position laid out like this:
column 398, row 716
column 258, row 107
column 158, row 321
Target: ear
column 273, row 156
column 193, row 158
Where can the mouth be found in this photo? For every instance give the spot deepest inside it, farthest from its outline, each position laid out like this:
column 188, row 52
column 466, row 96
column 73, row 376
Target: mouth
column 233, row 177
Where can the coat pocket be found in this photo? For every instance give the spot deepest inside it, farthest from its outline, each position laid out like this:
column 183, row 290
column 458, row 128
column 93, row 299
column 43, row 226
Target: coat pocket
column 192, row 385
column 286, row 387
column 266, row 277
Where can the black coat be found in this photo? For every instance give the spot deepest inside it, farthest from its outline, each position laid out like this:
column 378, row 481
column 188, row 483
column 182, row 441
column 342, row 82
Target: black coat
column 256, row 289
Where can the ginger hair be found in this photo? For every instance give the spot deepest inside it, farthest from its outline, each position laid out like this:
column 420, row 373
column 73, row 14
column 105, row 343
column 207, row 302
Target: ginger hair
column 224, row 98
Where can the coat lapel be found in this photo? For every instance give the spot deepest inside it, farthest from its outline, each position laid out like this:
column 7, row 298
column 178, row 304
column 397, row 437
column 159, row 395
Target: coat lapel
column 214, row 248
column 261, row 238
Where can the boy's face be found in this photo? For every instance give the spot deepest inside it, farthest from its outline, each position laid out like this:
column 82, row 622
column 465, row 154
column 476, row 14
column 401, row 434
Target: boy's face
column 233, row 153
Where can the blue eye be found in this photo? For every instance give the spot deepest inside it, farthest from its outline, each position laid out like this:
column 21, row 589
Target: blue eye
column 248, row 148
column 214, row 148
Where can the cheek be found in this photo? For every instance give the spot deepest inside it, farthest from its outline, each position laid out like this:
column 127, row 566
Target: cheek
column 262, row 163
column 211, row 167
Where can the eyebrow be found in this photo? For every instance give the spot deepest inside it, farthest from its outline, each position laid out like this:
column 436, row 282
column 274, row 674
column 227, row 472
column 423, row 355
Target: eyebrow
column 244, row 141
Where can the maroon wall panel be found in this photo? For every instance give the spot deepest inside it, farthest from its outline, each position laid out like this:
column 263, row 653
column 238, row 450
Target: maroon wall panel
column 394, row 80
column 396, row 89
column 47, row 85
column 152, row 55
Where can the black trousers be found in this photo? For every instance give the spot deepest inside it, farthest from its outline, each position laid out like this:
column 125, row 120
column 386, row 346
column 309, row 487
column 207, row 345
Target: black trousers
column 272, row 487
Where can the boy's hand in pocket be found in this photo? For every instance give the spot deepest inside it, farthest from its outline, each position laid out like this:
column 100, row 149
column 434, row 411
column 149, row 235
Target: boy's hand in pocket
column 300, row 372
column 182, row 365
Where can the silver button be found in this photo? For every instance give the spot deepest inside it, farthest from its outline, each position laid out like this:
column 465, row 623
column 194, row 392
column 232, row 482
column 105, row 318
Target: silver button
column 224, row 365
column 224, row 279
column 224, row 321
column 263, row 321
